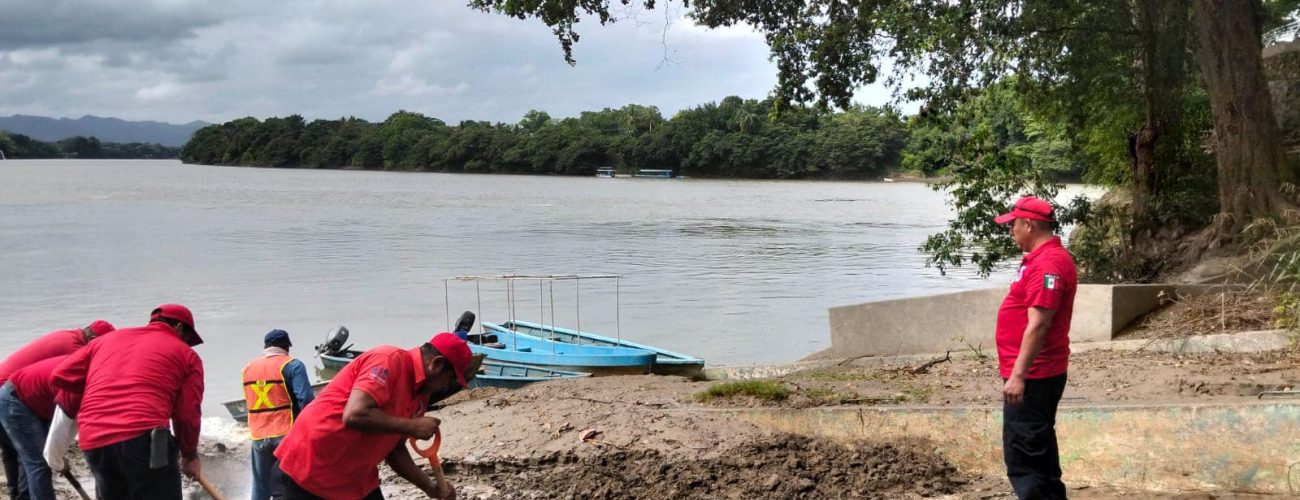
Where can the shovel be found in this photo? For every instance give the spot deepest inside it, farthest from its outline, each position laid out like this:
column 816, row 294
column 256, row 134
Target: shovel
column 76, row 485
column 431, row 453
column 208, row 487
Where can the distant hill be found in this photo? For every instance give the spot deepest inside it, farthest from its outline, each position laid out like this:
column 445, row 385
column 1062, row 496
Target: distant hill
column 105, row 129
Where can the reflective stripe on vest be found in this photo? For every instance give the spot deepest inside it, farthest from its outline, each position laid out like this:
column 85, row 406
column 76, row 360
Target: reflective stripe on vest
column 270, row 409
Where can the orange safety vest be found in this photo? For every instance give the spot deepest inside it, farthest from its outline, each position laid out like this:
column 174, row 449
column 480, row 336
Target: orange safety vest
column 270, row 409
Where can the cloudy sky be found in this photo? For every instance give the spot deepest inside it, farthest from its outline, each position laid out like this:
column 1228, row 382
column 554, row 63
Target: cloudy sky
column 180, row 60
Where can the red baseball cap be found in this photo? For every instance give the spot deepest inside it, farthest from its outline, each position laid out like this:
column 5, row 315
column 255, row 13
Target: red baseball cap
column 456, row 351
column 1029, row 207
column 179, row 313
column 100, row 327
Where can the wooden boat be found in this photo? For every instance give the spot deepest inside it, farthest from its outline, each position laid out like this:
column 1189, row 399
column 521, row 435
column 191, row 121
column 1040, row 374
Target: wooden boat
column 523, row 349
column 511, row 376
column 666, row 362
column 238, row 408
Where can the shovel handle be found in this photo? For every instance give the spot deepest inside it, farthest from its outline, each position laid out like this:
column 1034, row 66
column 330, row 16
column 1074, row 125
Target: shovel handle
column 76, row 485
column 431, row 453
column 208, row 487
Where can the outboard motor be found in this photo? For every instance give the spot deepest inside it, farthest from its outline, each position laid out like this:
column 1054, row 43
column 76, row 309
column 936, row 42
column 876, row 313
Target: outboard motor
column 334, row 342
column 464, row 325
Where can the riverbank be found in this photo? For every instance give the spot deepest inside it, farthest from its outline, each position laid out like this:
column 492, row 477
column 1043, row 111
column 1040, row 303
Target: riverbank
column 657, row 440
column 658, row 437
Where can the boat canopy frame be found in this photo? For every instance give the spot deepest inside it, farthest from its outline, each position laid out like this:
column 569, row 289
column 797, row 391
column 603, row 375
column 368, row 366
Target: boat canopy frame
column 544, row 281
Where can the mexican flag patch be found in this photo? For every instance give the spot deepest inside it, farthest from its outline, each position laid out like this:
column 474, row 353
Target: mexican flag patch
column 1050, row 281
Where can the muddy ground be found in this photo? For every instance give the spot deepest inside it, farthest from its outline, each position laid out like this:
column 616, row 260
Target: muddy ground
column 527, row 443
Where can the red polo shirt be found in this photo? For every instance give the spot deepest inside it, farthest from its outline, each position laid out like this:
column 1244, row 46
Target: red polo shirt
column 1047, row 279
column 132, row 381
column 33, row 387
column 336, row 462
column 59, row 343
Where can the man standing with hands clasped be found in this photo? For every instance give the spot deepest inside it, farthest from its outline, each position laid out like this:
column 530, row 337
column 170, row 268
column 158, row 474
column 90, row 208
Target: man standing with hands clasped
column 1033, row 338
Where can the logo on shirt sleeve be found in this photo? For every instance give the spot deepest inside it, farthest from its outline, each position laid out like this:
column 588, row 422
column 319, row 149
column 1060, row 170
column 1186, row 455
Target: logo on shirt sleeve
column 1050, row 281
column 379, row 374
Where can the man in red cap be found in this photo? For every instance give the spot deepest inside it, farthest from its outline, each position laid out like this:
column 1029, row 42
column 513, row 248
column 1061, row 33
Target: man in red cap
column 364, row 416
column 53, row 344
column 131, row 384
column 1033, row 338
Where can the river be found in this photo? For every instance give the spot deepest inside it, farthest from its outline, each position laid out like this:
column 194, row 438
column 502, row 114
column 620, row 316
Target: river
column 733, row 271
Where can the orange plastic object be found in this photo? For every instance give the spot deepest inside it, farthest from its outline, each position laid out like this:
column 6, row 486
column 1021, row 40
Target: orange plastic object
column 431, row 452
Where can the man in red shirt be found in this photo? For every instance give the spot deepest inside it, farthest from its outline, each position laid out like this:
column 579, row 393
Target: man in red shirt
column 1033, row 338
column 26, row 407
column 131, row 384
column 57, row 343
column 364, row 416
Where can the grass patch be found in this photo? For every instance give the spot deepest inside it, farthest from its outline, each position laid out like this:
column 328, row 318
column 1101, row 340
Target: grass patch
column 918, row 394
column 834, row 375
column 830, row 396
column 764, row 390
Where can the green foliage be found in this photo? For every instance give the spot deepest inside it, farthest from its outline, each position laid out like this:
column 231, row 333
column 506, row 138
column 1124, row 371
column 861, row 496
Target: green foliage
column 1287, row 312
column 1090, row 76
column 764, row 390
column 732, row 138
column 1277, row 274
column 999, row 154
column 1100, row 251
column 918, row 393
column 19, row 146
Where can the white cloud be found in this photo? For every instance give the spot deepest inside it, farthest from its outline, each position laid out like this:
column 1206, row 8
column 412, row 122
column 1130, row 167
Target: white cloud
column 410, row 86
column 159, row 92
column 179, row 60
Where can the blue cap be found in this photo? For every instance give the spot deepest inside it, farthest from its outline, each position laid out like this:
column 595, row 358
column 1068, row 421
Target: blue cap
column 277, row 336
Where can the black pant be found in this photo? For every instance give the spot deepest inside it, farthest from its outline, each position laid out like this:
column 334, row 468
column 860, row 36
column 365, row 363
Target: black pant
column 15, row 479
column 1029, row 441
column 294, row 492
column 122, row 471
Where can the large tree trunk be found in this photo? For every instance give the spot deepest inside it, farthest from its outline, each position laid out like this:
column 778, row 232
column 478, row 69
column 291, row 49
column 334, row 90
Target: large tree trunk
column 1247, row 144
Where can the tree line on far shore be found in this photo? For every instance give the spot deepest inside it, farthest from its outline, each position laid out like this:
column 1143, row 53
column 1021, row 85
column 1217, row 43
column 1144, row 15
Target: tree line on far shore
column 733, row 138
column 18, row 146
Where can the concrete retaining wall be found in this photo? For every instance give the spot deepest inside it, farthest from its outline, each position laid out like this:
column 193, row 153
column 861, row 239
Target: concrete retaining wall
column 1244, row 446
column 957, row 321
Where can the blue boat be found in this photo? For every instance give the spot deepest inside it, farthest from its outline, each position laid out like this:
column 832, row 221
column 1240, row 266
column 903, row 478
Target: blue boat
column 654, row 173
column 666, row 362
column 524, row 349
column 509, row 376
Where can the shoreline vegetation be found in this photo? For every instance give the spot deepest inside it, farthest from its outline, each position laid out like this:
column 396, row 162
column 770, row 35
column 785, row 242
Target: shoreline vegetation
column 733, row 138
column 22, row 147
